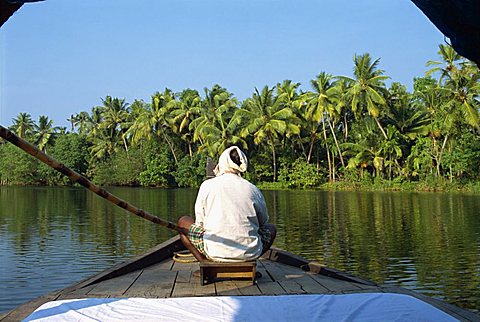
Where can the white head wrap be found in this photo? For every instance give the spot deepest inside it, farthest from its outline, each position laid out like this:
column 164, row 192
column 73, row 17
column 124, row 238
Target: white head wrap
column 226, row 164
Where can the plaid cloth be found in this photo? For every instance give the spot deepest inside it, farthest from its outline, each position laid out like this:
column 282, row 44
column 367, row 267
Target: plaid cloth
column 195, row 234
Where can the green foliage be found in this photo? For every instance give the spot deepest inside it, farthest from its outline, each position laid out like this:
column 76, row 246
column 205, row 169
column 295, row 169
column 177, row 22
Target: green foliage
column 191, row 171
column 419, row 162
column 260, row 167
column 300, row 174
column 158, row 166
column 462, row 161
column 122, row 169
column 70, row 149
column 17, row 167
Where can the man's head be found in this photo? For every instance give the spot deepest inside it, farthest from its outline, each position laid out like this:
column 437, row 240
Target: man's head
column 232, row 160
column 235, row 157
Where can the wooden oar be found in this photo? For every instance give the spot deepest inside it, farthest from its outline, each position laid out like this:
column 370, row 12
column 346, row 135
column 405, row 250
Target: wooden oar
column 76, row 177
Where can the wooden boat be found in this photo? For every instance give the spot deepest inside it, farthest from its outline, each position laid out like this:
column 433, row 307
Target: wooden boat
column 156, row 275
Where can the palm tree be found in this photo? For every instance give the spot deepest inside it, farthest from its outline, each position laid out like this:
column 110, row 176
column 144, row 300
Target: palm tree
column 450, row 60
column 365, row 93
column 458, row 89
column 44, row 132
column 341, row 103
column 115, row 115
column 23, row 125
column 266, row 118
column 391, row 149
column 83, row 121
column 154, row 121
column 412, row 120
column 462, row 91
column 321, row 107
column 215, row 128
column 186, row 109
column 294, row 100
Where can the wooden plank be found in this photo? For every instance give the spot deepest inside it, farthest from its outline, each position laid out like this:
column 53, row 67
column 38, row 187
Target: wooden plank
column 177, row 266
column 192, row 287
column 77, row 293
column 116, row 286
column 166, row 264
column 334, row 285
column 182, row 288
column 153, row 283
column 184, row 277
column 227, row 288
column 246, row 288
column 265, row 276
column 310, row 286
column 271, row 288
column 203, row 290
column 281, row 272
column 292, row 287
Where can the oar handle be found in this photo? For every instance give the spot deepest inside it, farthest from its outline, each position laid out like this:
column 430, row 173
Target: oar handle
column 76, row 177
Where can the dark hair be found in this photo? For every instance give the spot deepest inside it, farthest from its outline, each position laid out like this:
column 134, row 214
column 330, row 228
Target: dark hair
column 235, row 157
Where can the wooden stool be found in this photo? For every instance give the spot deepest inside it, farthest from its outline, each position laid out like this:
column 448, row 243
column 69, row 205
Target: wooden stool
column 209, row 271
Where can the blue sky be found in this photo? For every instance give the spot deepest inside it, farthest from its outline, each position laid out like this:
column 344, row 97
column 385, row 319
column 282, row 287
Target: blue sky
column 60, row 57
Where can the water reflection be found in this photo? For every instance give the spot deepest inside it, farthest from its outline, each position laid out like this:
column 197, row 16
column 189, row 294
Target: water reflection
column 53, row 237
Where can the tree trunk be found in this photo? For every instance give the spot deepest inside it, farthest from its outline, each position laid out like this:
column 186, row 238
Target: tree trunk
column 333, row 168
column 346, row 126
column 336, row 143
column 381, row 128
column 330, row 169
column 125, row 143
column 439, row 159
column 170, row 145
column 310, row 149
column 274, row 161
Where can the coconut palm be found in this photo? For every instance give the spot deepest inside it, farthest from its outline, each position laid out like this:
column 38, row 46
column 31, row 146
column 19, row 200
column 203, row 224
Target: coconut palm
column 321, row 108
column 44, row 132
column 215, row 128
column 266, row 118
column 391, row 150
column 154, row 121
column 367, row 88
column 293, row 99
column 412, row 120
column 115, row 115
column 462, row 91
column 448, row 66
column 186, row 109
column 23, row 125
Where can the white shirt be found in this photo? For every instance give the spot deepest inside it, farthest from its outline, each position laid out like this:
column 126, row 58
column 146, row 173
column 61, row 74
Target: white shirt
column 231, row 210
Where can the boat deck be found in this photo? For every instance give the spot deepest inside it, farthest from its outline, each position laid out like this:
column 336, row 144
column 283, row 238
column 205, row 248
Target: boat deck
column 173, row 279
column 282, row 273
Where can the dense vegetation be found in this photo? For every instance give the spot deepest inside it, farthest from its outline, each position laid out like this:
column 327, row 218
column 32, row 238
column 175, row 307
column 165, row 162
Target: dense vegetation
column 344, row 131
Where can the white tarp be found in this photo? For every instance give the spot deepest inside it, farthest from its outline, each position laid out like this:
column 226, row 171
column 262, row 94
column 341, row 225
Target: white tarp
column 347, row 307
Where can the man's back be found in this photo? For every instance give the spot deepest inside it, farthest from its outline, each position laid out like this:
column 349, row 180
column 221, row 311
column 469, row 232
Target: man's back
column 231, row 210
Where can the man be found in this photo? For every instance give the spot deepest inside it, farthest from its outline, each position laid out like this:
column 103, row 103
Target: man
column 230, row 215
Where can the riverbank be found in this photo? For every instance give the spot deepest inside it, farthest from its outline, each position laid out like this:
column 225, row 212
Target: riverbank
column 378, row 185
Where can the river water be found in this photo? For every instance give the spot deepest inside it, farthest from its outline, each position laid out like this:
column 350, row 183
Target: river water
column 429, row 242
